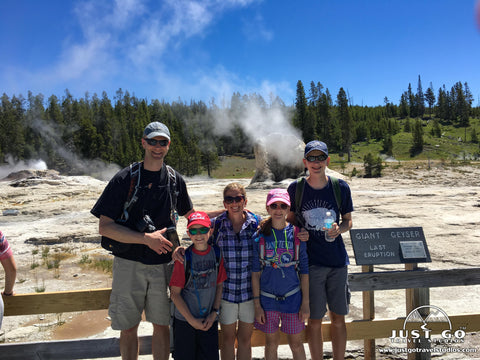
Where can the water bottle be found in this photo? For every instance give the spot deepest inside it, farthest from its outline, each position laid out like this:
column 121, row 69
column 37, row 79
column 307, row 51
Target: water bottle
column 327, row 224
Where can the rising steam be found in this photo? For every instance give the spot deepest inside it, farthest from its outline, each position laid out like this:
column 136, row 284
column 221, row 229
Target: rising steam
column 268, row 126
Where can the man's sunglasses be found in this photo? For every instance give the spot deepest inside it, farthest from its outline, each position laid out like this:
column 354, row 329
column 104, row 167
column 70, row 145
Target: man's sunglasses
column 312, row 158
column 202, row 230
column 282, row 205
column 153, row 142
column 232, row 199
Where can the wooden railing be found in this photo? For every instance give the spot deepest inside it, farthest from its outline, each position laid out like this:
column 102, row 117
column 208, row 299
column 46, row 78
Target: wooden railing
column 85, row 300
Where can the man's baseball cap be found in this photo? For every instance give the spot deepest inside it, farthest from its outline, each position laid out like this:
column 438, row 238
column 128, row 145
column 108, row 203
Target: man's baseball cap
column 316, row 145
column 199, row 218
column 156, row 129
column 278, row 195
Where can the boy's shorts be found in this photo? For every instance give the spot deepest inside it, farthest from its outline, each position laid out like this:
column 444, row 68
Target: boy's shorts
column 231, row 312
column 137, row 287
column 291, row 324
column 328, row 285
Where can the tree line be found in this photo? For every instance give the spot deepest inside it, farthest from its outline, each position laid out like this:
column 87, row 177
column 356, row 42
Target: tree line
column 94, row 127
column 341, row 124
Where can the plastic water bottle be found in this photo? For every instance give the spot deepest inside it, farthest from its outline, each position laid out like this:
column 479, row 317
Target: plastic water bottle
column 327, row 224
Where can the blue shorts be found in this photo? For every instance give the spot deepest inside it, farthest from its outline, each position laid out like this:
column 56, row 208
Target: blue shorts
column 328, row 286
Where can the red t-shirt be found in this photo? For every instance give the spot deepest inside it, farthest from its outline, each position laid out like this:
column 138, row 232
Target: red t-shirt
column 178, row 275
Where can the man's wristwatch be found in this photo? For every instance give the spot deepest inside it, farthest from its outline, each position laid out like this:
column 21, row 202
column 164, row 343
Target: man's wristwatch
column 216, row 311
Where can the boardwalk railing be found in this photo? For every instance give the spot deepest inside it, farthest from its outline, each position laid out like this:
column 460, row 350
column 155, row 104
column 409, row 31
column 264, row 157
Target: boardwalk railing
column 97, row 299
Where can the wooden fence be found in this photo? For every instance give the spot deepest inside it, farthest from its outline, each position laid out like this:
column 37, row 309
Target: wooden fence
column 416, row 281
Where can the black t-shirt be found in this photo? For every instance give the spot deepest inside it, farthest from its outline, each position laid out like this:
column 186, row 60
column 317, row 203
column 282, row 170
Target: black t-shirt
column 153, row 200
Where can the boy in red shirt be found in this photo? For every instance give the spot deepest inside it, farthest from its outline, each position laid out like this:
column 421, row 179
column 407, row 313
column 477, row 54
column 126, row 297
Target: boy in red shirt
column 196, row 290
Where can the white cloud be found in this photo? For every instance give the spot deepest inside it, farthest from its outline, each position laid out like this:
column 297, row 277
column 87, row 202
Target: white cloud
column 128, row 44
column 255, row 29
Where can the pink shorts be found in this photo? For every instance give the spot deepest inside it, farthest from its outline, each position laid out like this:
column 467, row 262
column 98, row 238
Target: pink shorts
column 291, row 324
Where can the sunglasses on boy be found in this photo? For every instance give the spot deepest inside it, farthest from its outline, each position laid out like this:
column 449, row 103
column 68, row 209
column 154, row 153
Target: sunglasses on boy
column 153, row 142
column 202, row 230
column 312, row 158
column 232, row 199
column 282, row 205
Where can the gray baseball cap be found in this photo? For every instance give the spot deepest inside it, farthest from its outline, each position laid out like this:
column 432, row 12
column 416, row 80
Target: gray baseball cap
column 156, row 129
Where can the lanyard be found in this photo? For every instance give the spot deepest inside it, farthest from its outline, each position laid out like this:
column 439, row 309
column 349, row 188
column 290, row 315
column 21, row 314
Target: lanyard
column 275, row 236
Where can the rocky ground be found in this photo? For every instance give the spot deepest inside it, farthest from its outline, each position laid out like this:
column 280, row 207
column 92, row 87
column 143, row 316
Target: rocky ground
column 46, row 220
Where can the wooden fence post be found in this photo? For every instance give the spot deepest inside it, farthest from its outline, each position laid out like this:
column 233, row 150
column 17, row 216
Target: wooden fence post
column 368, row 314
column 415, row 298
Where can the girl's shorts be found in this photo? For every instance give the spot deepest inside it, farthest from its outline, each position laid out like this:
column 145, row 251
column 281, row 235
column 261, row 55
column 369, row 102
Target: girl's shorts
column 291, row 323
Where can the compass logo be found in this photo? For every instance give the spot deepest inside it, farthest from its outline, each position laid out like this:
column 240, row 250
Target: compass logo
column 419, row 323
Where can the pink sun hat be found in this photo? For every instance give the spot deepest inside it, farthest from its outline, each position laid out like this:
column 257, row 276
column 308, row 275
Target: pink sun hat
column 280, row 195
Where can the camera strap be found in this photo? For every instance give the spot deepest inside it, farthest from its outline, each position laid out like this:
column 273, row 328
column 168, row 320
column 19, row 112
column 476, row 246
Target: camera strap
column 173, row 192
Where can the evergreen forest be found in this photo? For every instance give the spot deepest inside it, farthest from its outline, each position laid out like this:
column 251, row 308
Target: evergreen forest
column 61, row 130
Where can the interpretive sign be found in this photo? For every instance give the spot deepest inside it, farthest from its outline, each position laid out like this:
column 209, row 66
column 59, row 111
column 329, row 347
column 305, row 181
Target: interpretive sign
column 389, row 246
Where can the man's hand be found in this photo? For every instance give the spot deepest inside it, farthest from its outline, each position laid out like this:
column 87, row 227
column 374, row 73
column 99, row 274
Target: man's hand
column 157, row 242
column 179, row 254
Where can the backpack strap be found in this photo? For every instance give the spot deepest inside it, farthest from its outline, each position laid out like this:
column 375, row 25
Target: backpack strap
column 218, row 256
column 337, row 192
column 216, row 225
column 132, row 191
column 298, row 201
column 187, row 263
column 261, row 250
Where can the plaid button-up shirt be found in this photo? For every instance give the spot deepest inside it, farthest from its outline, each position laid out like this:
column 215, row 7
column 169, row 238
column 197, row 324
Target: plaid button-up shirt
column 237, row 250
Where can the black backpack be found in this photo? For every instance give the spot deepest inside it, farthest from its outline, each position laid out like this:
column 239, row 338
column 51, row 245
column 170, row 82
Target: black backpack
column 117, row 247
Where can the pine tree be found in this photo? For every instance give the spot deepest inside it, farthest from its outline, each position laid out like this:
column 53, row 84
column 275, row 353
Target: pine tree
column 417, row 145
column 420, row 99
column 474, row 136
column 403, row 107
column 345, row 121
column 430, row 97
column 300, row 118
column 388, row 145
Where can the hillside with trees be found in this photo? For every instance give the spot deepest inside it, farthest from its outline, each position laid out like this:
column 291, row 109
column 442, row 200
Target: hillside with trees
column 442, row 123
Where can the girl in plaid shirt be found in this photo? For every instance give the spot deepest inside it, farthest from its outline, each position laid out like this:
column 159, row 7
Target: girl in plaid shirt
column 233, row 233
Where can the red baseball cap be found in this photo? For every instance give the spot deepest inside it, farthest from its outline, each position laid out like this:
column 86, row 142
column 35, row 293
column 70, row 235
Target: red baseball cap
column 199, row 218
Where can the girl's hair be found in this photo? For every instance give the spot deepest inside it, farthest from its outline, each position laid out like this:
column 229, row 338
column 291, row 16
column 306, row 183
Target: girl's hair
column 235, row 186
column 266, row 226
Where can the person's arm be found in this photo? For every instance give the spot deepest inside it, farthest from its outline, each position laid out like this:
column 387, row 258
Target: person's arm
column 305, row 307
column 259, row 313
column 214, row 213
column 189, row 213
column 212, row 317
column 155, row 240
column 176, row 296
column 10, row 268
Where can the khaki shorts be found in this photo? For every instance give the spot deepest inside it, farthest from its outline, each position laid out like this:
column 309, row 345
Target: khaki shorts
column 231, row 312
column 137, row 287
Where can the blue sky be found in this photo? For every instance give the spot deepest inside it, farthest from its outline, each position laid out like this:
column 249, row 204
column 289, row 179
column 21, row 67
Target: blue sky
column 208, row 49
